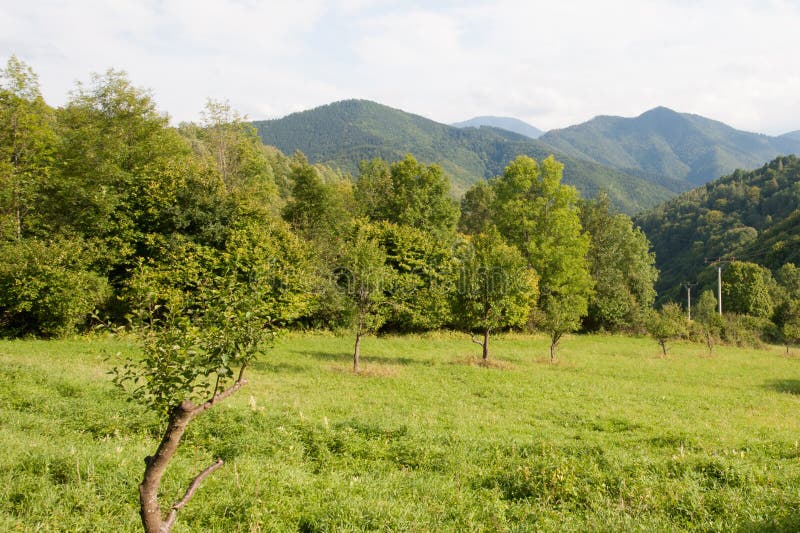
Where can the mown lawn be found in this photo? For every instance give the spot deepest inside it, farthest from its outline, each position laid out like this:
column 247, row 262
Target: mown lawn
column 611, row 438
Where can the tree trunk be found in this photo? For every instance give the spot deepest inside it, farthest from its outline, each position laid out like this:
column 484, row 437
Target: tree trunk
column 150, row 511
column 663, row 347
column 156, row 465
column 553, row 345
column 486, row 345
column 356, row 352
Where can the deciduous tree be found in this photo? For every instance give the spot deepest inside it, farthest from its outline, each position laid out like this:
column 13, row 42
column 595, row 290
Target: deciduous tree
column 621, row 265
column 495, row 289
column 666, row 324
column 747, row 289
column 365, row 279
column 537, row 213
column 27, row 146
column 204, row 315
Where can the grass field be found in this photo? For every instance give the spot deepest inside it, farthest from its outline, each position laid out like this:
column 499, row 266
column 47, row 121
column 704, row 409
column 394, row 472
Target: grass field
column 612, row 438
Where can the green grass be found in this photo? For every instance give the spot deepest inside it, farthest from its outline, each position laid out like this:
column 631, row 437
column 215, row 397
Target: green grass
column 611, row 438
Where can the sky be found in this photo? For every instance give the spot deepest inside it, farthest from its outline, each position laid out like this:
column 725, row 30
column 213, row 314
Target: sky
column 551, row 64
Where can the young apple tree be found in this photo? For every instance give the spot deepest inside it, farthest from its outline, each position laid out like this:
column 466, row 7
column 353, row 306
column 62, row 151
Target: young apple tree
column 495, row 287
column 365, row 279
column 203, row 315
column 666, row 324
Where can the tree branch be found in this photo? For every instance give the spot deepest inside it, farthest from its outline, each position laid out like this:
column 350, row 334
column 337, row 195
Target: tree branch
column 476, row 341
column 193, row 486
column 218, row 397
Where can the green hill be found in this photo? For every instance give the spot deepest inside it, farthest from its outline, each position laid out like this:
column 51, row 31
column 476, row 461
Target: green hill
column 677, row 150
column 504, row 123
column 754, row 216
column 344, row 133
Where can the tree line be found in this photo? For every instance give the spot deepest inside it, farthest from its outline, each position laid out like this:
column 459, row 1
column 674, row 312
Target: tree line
column 103, row 201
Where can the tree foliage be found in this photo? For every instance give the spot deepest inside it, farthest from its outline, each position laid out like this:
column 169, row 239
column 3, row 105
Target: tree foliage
column 621, row 265
column 408, row 193
column 539, row 215
column 47, row 288
column 27, row 147
column 748, row 289
column 666, row 324
column 495, row 288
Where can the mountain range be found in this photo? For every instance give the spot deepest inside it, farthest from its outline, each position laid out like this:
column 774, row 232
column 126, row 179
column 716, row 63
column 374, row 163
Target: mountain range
column 504, row 123
column 665, row 146
column 640, row 162
column 344, row 133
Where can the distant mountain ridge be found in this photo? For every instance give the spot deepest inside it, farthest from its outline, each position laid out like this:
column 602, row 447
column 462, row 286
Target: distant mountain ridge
column 504, row 123
column 344, row 133
column 795, row 135
column 677, row 150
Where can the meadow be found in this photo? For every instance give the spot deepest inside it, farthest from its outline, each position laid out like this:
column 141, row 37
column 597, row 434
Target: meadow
column 611, row 438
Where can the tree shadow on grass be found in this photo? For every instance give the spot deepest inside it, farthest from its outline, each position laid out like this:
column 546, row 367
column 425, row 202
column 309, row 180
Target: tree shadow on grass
column 279, row 368
column 787, row 386
column 786, row 523
column 369, row 358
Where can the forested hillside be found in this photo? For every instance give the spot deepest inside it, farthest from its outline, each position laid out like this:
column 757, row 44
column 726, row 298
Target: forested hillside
column 344, row 133
column 504, row 123
column 750, row 215
column 676, row 150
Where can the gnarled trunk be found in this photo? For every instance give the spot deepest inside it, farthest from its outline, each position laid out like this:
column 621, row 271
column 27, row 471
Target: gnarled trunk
column 156, row 465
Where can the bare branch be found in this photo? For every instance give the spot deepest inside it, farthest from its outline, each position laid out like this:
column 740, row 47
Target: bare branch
column 238, row 384
column 476, row 341
column 193, row 486
column 241, row 372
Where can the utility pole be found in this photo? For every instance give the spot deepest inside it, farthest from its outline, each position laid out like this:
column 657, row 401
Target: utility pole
column 689, row 298
column 718, row 262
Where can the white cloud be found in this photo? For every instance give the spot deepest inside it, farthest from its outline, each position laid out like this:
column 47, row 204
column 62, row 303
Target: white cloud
column 549, row 63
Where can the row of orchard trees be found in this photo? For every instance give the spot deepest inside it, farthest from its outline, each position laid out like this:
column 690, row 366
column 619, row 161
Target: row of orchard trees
column 523, row 251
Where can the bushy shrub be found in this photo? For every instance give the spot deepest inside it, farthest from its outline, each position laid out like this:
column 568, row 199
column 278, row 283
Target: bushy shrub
column 747, row 331
column 46, row 288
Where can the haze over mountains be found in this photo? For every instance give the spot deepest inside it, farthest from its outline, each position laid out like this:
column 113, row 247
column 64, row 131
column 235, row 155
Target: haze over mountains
column 795, row 135
column 504, row 123
column 640, row 161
